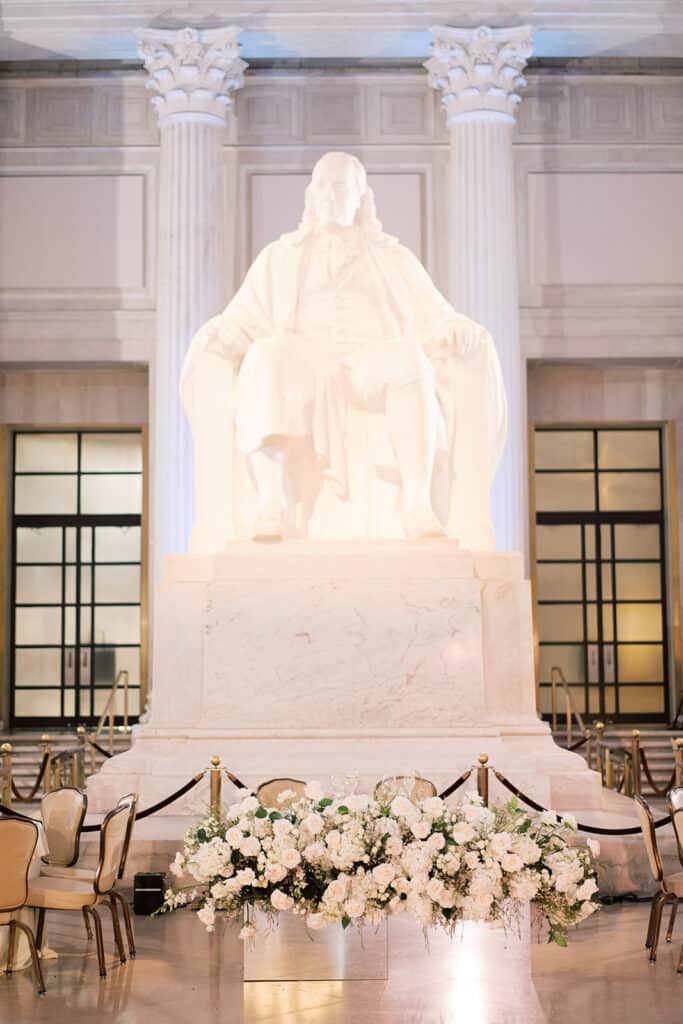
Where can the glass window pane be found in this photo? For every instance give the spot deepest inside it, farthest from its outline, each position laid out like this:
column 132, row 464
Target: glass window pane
column 37, row 703
column 45, row 453
column 110, row 495
column 34, row 495
column 637, row 540
column 40, row 544
column 85, row 624
column 86, row 544
column 117, row 583
column 570, row 659
column 38, row 625
column 114, row 453
column 639, row 622
column 70, row 544
column 607, row 582
column 565, row 492
column 640, row 663
column 117, row 625
column 629, row 491
column 628, row 449
column 86, row 580
column 592, row 623
column 70, row 584
column 127, row 658
column 594, row 700
column 610, row 700
column 559, row 582
column 589, row 541
column 605, row 541
column 563, row 449
column 639, row 582
column 641, row 700
column 558, row 542
column 591, row 585
column 608, row 622
column 117, row 543
column 70, row 626
column 39, row 584
column 69, row 705
column 37, row 667
column 560, row 622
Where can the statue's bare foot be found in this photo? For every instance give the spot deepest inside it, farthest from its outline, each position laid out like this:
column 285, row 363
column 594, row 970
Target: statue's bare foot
column 268, row 525
column 421, row 523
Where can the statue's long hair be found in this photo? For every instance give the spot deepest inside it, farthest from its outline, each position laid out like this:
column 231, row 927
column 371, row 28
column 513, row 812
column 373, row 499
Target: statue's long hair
column 366, row 216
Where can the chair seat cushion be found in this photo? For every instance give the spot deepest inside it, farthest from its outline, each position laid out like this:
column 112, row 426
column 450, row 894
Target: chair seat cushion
column 674, row 884
column 61, row 894
column 57, row 871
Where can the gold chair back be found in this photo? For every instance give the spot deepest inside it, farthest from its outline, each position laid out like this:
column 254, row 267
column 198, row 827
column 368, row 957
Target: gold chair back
column 268, row 792
column 63, row 812
column 674, row 802
column 18, row 840
column 414, row 787
column 112, row 843
column 130, row 800
column 647, row 823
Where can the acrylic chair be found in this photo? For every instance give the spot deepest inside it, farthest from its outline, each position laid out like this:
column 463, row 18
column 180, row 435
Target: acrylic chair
column 674, row 800
column 268, row 792
column 670, row 886
column 130, row 803
column 50, row 893
column 414, row 787
column 63, row 812
column 18, row 839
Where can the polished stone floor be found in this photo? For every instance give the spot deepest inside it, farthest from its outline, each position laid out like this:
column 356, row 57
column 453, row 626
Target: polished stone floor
column 184, row 976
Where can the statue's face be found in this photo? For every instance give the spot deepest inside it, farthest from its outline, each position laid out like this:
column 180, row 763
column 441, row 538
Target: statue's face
column 336, row 193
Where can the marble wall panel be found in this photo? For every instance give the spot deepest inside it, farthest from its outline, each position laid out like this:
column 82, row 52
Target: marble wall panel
column 51, row 397
column 60, row 116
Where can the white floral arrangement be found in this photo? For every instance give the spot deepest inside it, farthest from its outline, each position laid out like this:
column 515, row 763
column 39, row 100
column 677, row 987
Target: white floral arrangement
column 356, row 859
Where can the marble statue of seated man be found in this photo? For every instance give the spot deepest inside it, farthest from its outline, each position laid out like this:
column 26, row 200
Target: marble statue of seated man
column 339, row 316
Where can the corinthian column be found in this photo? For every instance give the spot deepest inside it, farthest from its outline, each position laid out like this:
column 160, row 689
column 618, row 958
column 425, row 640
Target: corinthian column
column 192, row 75
column 478, row 73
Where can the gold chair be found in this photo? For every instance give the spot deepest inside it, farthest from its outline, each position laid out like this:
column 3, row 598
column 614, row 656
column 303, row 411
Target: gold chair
column 674, row 800
column 130, row 803
column 414, row 787
column 50, row 893
column 268, row 792
column 18, row 839
column 670, row 886
column 63, row 812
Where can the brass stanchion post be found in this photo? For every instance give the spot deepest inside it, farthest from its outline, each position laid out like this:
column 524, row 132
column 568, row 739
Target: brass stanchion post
column 589, row 747
column 609, row 771
column 678, row 760
column 93, row 755
column 47, row 749
column 568, row 715
column 599, row 732
column 6, row 751
column 80, row 733
column 635, row 757
column 628, row 775
column 483, row 778
column 215, row 787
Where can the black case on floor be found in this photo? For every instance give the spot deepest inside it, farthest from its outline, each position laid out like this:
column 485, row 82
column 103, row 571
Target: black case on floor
column 148, row 891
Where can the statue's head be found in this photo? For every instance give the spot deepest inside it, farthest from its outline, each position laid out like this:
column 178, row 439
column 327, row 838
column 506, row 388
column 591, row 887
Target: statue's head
column 339, row 194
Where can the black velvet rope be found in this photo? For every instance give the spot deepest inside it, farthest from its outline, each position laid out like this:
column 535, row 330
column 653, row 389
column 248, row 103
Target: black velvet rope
column 9, row 812
column 579, row 743
column 156, row 807
column 591, row 829
column 27, row 799
column 235, row 781
column 646, row 769
column 97, row 747
column 456, row 785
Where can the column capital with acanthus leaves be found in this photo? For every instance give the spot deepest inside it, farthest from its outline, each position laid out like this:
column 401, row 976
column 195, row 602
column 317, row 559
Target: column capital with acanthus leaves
column 193, row 72
column 479, row 70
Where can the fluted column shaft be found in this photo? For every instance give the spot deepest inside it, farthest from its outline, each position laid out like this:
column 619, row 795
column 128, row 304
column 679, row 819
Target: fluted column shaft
column 193, row 74
column 478, row 74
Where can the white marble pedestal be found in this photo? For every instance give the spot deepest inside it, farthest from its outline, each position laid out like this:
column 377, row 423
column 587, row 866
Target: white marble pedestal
column 312, row 658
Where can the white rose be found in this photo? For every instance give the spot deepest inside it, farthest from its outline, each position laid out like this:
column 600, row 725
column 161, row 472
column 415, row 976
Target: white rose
column 250, row 846
column 314, row 791
column 402, row 807
column 435, row 889
column 290, row 858
column 234, row 836
column 462, row 832
column 281, row 827
column 354, row 908
column 433, row 806
column 249, row 804
column 316, row 922
column 281, row 901
column 245, row 877
column 500, row 844
column 207, row 916
column 383, row 874
column 333, row 839
column 336, row 890
column 275, row 872
column 421, row 829
column 511, row 862
column 314, row 852
column 586, row 890
column 394, row 846
column 248, row 931
column 437, row 841
column 176, row 866
column 313, row 823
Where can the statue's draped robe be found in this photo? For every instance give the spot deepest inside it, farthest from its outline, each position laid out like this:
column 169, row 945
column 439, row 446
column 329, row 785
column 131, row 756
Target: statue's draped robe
column 351, row 310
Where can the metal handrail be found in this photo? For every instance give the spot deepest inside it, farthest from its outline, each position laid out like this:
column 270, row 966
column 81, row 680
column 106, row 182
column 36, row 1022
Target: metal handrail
column 110, row 711
column 556, row 674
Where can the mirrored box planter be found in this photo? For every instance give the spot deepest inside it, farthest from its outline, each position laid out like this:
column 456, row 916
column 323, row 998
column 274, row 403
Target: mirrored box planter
column 288, row 951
